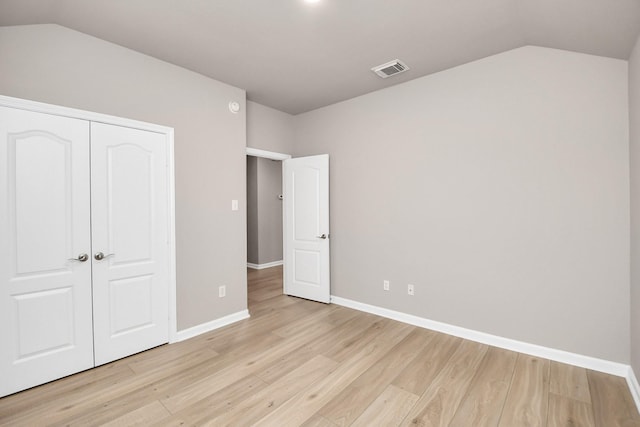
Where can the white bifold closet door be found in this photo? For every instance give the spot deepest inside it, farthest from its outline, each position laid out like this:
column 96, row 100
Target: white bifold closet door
column 130, row 228
column 83, row 245
column 45, row 266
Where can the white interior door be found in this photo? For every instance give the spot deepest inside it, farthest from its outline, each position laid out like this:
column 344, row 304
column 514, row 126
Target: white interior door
column 129, row 179
column 45, row 269
column 306, row 228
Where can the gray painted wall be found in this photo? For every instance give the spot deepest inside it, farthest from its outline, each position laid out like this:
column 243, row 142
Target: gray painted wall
column 269, row 129
column 269, row 211
column 252, row 210
column 634, row 142
column 52, row 64
column 499, row 188
column 264, row 210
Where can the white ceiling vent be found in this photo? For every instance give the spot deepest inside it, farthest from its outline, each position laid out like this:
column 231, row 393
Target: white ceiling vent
column 390, row 68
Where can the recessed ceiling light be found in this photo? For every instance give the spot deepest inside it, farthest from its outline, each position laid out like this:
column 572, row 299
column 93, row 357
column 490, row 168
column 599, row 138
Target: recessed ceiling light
column 312, row 1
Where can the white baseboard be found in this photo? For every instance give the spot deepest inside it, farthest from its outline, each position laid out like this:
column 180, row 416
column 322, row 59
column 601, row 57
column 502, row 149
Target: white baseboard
column 634, row 387
column 265, row 265
column 210, row 326
column 613, row 368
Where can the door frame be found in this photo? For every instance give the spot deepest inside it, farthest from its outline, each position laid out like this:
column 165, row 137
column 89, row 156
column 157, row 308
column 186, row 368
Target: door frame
column 271, row 155
column 168, row 132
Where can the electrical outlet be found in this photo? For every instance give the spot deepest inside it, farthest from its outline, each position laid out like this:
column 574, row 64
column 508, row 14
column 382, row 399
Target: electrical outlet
column 410, row 289
column 385, row 285
column 222, row 291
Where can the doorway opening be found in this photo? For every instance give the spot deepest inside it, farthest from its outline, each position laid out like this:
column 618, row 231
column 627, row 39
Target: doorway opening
column 305, row 224
column 264, row 222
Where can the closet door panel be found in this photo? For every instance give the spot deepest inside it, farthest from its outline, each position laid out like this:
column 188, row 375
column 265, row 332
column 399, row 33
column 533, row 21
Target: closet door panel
column 45, row 290
column 130, row 229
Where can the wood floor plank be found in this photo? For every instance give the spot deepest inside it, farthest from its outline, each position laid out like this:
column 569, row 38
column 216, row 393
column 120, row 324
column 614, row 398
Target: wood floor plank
column 567, row 412
column 241, row 368
column 341, row 334
column 79, row 405
column 305, row 404
column 250, row 364
column 250, row 329
column 133, row 393
column 378, row 327
column 244, row 347
column 569, row 381
column 349, row 404
column 161, row 356
column 143, row 416
column 264, row 294
column 298, row 326
column 527, row 401
column 419, row 374
column 362, row 328
column 389, row 408
column 318, row 421
column 610, row 399
column 215, row 404
column 246, row 332
column 136, row 392
column 21, row 405
column 340, row 316
column 487, row 393
column 438, row 404
column 267, row 400
column 371, row 370
column 257, row 309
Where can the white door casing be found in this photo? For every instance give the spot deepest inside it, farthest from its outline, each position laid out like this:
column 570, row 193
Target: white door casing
column 130, row 229
column 306, row 227
column 45, row 292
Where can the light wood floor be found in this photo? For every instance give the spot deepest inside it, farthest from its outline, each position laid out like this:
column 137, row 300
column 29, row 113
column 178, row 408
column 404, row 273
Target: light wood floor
column 296, row 362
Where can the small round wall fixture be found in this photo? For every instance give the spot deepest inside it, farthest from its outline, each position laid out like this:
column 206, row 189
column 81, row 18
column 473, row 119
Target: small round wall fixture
column 234, row 107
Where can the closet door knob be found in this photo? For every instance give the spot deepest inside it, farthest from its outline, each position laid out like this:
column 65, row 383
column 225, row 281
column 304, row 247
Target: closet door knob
column 99, row 256
column 81, row 258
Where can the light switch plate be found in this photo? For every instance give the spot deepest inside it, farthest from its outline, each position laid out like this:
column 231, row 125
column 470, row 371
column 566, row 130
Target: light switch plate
column 234, row 205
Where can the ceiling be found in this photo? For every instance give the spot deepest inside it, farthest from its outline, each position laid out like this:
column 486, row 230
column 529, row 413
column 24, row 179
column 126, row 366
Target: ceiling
column 296, row 57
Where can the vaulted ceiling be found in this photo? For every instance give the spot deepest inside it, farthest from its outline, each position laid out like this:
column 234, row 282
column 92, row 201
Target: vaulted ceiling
column 295, row 56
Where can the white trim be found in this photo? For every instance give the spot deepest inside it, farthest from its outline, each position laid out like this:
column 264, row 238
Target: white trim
column 185, row 334
column 634, row 387
column 267, row 154
column 173, row 299
column 265, row 265
column 40, row 107
column 613, row 368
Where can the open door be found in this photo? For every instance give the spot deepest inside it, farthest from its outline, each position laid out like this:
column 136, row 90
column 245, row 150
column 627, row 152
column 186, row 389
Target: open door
column 306, row 227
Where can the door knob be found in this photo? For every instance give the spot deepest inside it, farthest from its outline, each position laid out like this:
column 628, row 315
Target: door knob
column 99, row 256
column 324, row 236
column 81, row 258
